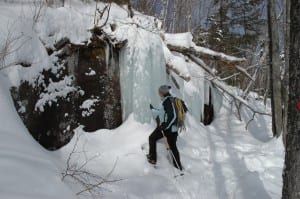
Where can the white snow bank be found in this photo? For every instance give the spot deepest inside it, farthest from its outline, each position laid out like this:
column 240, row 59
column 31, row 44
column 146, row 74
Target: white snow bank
column 23, row 44
column 222, row 161
column 75, row 25
column 27, row 170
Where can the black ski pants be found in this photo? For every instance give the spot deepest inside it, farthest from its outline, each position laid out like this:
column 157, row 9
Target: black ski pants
column 172, row 139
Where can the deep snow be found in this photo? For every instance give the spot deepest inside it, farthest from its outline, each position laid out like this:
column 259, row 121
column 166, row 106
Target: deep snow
column 222, row 160
column 27, row 170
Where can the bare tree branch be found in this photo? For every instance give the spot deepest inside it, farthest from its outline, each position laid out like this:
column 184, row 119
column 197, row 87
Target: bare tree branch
column 253, row 115
column 38, row 6
column 12, row 44
column 87, row 179
column 220, row 85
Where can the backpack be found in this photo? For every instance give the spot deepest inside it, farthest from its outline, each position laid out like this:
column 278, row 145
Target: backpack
column 180, row 109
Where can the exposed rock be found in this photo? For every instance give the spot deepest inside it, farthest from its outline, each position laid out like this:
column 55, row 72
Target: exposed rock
column 61, row 43
column 53, row 127
column 95, row 72
column 101, row 59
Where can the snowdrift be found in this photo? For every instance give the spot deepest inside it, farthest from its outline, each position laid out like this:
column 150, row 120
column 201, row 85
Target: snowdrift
column 221, row 161
column 27, row 170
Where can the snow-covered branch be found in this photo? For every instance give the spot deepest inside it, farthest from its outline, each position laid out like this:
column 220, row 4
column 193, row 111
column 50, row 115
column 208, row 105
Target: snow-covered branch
column 176, row 71
column 183, row 43
column 101, row 34
column 221, row 85
column 202, row 52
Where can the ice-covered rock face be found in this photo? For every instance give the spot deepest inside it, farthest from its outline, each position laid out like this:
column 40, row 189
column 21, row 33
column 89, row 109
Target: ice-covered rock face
column 142, row 71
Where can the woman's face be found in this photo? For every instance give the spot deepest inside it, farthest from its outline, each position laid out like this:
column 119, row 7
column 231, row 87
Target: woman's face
column 160, row 94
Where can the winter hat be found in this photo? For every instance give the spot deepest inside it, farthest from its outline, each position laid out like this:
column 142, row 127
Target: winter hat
column 164, row 89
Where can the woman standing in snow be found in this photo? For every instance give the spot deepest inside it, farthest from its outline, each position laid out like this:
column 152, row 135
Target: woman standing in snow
column 167, row 128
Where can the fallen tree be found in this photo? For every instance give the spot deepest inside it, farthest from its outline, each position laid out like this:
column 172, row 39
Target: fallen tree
column 215, row 80
column 204, row 53
column 197, row 54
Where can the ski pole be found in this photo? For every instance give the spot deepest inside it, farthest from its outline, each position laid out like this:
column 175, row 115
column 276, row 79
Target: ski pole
column 166, row 140
column 168, row 149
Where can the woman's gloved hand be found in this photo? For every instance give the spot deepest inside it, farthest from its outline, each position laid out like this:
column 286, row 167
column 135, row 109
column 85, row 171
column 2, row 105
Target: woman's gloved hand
column 151, row 107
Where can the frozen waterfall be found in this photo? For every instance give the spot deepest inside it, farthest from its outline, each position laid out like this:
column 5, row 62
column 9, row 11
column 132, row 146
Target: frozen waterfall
column 142, row 71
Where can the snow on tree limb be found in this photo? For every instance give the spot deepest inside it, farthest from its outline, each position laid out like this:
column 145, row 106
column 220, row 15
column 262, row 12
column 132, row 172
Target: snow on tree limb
column 182, row 43
column 177, row 72
column 177, row 64
column 206, row 53
column 221, row 85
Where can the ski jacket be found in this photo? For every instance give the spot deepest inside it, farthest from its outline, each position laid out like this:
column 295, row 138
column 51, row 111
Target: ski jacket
column 166, row 114
column 170, row 117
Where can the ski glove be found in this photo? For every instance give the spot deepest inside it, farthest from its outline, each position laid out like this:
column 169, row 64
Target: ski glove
column 151, row 107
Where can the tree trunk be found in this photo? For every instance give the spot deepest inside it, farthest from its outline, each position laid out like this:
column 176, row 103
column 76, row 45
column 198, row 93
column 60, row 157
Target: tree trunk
column 275, row 73
column 173, row 20
column 291, row 175
column 130, row 10
column 189, row 16
column 286, row 69
column 163, row 12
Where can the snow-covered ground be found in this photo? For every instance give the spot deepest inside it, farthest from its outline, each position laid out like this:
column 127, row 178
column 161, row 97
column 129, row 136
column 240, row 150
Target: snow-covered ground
column 27, row 170
column 222, row 160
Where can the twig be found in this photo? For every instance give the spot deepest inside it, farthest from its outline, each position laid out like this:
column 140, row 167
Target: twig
column 216, row 81
column 250, row 120
column 88, row 180
column 92, row 186
column 9, row 47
